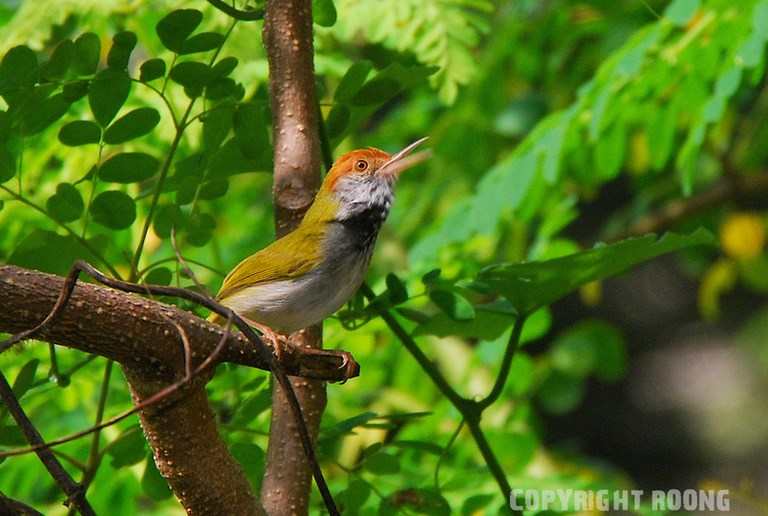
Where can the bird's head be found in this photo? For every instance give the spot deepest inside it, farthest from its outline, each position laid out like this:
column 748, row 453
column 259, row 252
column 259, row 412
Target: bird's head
column 363, row 180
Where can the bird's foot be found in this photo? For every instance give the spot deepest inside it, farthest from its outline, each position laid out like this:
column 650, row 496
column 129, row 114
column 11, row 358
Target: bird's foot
column 277, row 341
column 348, row 364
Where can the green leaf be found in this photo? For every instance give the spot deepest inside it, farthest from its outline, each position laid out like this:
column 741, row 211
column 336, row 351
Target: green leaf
column 560, row 393
column 191, row 74
column 176, row 27
column 80, row 132
column 252, row 459
column 203, row 42
column 132, row 125
column 200, row 228
column 113, row 209
column 87, row 53
column 123, row 44
column 376, row 91
column 216, row 126
column 252, row 407
column 230, row 160
column 152, row 69
column 25, row 379
column 456, row 306
column 128, row 167
column 7, row 162
column 396, row 289
column 344, row 427
column 167, row 217
column 73, row 91
column 382, row 463
column 128, row 449
column 18, row 68
column 107, row 94
column 323, row 12
column 49, row 252
column 41, row 115
column 680, row 12
column 66, row 204
column 159, row 276
column 529, row 286
column 354, row 496
column 353, row 79
column 490, row 322
column 338, row 121
column 152, row 482
column 60, row 60
column 213, row 189
column 250, row 132
column 224, row 67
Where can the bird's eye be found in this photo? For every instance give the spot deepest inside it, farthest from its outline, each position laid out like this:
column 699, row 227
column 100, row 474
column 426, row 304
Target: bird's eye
column 361, row 165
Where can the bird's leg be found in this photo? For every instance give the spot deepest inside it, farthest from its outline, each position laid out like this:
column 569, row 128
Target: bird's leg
column 278, row 341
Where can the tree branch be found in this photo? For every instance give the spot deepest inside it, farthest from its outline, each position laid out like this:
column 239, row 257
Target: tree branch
column 287, row 37
column 730, row 187
column 134, row 330
column 75, row 492
column 238, row 14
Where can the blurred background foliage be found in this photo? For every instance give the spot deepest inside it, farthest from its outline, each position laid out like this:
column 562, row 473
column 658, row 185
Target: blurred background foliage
column 555, row 125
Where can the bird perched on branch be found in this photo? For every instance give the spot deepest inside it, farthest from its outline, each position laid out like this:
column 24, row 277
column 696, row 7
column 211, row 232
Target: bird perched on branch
column 308, row 274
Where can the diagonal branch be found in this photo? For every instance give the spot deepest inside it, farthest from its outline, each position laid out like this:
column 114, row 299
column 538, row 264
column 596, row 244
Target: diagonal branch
column 74, row 491
column 133, row 330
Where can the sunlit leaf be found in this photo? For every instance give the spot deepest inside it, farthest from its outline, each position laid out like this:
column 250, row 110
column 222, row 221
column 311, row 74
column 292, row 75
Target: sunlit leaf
column 323, row 12
column 531, row 285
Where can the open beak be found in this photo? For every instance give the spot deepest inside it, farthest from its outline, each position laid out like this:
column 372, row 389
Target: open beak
column 403, row 160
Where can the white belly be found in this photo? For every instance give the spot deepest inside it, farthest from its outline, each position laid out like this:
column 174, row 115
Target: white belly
column 290, row 305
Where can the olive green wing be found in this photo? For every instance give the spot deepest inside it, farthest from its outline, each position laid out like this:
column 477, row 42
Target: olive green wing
column 290, row 257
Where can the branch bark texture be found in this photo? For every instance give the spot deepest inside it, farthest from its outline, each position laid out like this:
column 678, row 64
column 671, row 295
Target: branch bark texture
column 287, row 36
column 144, row 336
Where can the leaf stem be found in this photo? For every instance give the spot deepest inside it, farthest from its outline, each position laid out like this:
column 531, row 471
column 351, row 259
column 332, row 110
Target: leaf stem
column 506, row 363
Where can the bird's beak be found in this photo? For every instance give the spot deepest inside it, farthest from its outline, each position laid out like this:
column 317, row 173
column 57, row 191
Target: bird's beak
column 403, row 160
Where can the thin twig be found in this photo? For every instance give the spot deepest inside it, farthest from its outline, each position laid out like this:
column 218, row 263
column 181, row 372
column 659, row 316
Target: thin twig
column 252, row 15
column 185, row 267
column 445, row 451
column 74, row 492
column 506, row 362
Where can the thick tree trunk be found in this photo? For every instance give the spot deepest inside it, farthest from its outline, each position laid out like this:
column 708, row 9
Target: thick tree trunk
column 288, row 40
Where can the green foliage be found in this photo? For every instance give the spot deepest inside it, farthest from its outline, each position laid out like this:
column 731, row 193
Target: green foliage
column 438, row 33
column 529, row 286
column 567, row 124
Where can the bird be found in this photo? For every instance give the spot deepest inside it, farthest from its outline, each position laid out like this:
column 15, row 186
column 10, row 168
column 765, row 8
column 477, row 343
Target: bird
column 308, row 274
